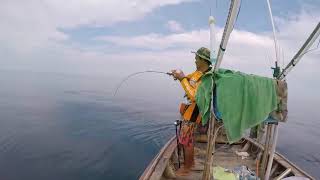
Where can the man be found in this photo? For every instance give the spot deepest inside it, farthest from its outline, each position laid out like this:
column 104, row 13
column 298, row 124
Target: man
column 190, row 112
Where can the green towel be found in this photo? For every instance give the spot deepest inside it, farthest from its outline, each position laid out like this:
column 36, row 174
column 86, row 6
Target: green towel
column 203, row 96
column 243, row 100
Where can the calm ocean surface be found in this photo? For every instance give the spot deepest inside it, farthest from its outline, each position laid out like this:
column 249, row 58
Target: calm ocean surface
column 58, row 126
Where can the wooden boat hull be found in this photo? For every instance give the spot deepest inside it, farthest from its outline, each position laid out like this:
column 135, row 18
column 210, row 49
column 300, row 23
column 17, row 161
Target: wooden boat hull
column 223, row 156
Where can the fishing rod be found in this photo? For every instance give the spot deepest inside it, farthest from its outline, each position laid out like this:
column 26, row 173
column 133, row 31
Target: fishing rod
column 176, row 123
column 136, row 73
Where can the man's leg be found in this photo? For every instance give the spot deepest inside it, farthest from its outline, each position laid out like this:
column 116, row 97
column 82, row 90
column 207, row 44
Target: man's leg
column 187, row 140
column 188, row 161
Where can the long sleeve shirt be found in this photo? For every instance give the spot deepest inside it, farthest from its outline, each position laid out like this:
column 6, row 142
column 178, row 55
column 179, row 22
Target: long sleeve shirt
column 190, row 84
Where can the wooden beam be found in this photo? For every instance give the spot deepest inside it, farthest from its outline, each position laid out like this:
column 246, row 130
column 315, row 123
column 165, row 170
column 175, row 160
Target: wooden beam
column 211, row 143
column 266, row 151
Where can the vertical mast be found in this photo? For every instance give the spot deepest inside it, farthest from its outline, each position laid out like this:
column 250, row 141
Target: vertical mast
column 276, row 73
column 232, row 17
column 274, row 33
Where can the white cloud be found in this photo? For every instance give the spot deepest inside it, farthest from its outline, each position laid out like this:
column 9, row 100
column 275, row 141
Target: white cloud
column 161, row 42
column 28, row 25
column 174, row 26
column 245, row 51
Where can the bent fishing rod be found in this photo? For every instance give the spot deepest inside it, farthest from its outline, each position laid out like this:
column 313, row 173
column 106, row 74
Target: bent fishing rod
column 177, row 122
column 136, row 73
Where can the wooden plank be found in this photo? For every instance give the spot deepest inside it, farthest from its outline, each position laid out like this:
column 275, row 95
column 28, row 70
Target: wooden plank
column 231, row 160
column 266, row 153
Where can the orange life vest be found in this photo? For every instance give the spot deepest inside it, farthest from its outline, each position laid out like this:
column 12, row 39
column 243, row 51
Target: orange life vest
column 190, row 112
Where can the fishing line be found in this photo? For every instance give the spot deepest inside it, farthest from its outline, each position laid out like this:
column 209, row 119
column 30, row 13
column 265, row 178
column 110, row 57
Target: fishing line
column 136, row 73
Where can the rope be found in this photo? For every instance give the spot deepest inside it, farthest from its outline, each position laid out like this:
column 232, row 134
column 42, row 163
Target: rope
column 311, row 49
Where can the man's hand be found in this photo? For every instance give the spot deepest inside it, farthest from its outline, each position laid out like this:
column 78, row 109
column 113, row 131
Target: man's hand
column 178, row 74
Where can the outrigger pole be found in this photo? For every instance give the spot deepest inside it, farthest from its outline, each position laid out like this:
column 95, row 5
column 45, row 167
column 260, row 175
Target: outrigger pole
column 232, row 17
column 303, row 50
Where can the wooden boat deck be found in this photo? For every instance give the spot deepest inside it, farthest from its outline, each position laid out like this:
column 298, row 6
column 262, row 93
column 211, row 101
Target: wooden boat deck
column 224, row 156
column 197, row 170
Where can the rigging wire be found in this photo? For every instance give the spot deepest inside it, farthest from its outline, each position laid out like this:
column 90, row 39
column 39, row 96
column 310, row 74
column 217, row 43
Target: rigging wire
column 282, row 57
column 216, row 4
column 136, row 73
column 211, row 5
column 210, row 9
column 269, row 57
column 310, row 50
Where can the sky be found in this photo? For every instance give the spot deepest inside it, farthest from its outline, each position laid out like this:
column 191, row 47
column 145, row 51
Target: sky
column 119, row 37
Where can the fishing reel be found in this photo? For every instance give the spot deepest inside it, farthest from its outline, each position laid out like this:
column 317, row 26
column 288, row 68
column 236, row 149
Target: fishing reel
column 177, row 122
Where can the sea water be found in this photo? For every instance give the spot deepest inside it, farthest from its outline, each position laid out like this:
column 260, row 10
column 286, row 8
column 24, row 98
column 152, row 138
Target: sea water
column 62, row 126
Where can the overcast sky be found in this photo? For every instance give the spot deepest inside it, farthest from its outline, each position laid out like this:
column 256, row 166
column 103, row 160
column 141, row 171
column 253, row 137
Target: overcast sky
column 103, row 37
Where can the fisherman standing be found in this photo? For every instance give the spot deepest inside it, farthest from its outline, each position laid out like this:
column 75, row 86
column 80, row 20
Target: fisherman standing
column 190, row 112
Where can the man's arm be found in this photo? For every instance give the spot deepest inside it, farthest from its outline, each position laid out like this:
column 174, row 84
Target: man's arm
column 184, row 80
column 190, row 91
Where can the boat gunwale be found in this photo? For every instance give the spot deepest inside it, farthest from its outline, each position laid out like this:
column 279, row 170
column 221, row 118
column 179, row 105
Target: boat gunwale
column 155, row 161
column 279, row 155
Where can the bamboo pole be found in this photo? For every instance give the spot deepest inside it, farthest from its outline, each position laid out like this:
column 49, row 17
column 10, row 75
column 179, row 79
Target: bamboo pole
column 282, row 175
column 266, row 151
column 210, row 146
column 232, row 17
column 273, row 149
